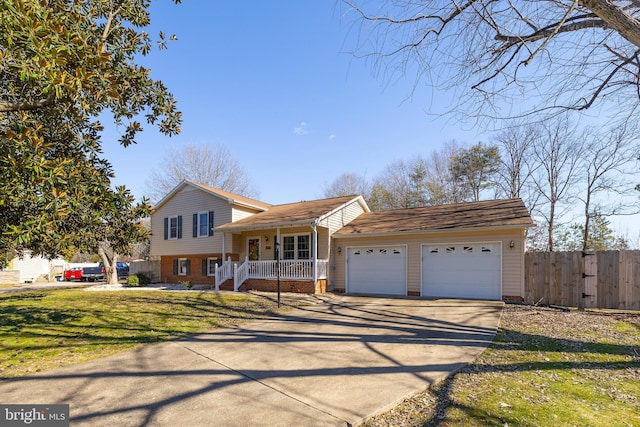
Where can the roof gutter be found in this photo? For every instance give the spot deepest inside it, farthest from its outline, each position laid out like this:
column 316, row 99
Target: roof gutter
column 440, row 231
column 240, row 228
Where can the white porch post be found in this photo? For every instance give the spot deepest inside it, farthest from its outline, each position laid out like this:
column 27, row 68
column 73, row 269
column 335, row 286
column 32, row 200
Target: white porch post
column 314, row 227
column 224, row 237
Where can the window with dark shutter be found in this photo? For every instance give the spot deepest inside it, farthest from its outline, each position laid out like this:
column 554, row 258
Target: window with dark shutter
column 195, row 225
column 210, row 223
column 179, row 226
column 166, row 228
column 175, row 266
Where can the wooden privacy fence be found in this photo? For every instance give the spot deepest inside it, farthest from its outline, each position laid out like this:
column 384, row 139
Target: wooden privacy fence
column 150, row 268
column 602, row 279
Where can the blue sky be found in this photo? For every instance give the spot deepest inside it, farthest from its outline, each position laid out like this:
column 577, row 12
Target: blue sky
column 274, row 82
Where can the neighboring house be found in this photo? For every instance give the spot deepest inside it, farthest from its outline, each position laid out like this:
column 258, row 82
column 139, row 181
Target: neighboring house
column 28, row 269
column 466, row 250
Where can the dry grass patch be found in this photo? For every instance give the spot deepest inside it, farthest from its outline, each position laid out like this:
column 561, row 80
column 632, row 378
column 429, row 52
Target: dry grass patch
column 544, row 367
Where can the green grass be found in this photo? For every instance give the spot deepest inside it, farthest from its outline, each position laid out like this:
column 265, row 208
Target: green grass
column 544, row 368
column 41, row 330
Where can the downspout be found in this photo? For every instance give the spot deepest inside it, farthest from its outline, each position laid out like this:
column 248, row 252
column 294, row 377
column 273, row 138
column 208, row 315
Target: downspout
column 314, row 227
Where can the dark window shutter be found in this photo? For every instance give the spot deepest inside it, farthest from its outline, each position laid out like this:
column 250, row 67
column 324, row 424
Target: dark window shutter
column 204, row 266
column 175, row 266
column 179, row 226
column 195, row 225
column 210, row 223
column 166, row 228
column 188, row 267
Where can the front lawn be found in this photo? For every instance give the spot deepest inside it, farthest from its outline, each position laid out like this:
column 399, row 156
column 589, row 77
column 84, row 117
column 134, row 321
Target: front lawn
column 544, row 368
column 41, row 330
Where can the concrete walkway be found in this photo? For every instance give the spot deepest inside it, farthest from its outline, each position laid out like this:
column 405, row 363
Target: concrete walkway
column 333, row 363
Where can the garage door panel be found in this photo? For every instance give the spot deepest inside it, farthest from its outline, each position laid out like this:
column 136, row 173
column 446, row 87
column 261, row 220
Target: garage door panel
column 377, row 269
column 470, row 270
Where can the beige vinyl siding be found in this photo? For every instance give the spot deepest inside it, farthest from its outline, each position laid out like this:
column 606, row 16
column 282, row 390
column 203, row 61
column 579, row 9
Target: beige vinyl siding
column 342, row 217
column 240, row 212
column 512, row 259
column 186, row 202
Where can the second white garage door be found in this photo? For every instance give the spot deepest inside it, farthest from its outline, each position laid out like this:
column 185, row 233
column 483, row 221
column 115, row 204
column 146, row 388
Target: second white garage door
column 377, row 270
column 470, row 270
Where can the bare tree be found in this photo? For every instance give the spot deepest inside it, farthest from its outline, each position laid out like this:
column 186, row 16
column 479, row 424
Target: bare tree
column 534, row 55
column 348, row 184
column 215, row 167
column 514, row 173
column 607, row 187
column 392, row 188
column 557, row 152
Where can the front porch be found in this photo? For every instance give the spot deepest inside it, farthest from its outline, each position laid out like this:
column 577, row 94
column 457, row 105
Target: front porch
column 304, row 276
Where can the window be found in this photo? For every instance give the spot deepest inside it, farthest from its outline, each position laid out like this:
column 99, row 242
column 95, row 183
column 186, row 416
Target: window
column 203, row 224
column 304, row 247
column 296, row 247
column 173, row 227
column 183, row 266
column 211, row 266
column 450, row 249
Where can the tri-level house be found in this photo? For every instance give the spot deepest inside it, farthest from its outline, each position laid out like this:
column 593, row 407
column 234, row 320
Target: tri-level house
column 468, row 250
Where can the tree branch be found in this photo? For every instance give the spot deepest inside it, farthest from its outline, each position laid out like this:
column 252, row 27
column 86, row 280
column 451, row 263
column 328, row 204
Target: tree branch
column 6, row 107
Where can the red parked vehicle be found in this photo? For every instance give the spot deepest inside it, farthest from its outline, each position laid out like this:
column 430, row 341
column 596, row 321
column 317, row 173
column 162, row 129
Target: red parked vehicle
column 74, row 273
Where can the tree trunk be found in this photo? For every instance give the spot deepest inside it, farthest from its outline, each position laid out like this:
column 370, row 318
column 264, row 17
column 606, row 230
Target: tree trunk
column 109, row 262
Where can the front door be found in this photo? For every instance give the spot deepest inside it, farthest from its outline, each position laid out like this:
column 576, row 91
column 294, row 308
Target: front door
column 253, row 248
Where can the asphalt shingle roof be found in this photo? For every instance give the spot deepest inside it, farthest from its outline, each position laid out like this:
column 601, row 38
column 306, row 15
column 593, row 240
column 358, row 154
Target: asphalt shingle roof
column 289, row 214
column 483, row 214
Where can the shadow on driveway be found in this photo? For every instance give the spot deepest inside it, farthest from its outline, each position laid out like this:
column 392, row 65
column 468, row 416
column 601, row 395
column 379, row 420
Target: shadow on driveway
column 333, row 363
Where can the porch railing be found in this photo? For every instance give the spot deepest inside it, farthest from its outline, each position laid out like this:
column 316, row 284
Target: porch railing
column 289, row 269
column 240, row 274
column 224, row 272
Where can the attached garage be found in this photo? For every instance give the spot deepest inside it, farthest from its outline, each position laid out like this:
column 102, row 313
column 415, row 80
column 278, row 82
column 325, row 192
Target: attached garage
column 469, row 250
column 377, row 270
column 462, row 270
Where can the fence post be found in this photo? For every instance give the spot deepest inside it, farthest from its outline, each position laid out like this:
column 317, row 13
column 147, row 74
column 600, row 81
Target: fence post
column 589, row 296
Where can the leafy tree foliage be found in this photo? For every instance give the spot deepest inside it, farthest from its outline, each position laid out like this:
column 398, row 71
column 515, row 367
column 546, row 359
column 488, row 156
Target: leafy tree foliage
column 475, row 167
column 62, row 64
column 601, row 236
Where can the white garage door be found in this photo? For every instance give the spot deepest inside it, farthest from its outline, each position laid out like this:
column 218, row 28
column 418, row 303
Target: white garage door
column 470, row 270
column 377, row 270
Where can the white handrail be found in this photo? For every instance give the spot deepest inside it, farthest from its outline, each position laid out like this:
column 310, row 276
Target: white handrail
column 223, row 273
column 240, row 274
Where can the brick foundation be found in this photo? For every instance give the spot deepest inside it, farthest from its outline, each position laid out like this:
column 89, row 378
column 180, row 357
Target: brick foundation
column 195, row 276
column 511, row 298
column 269, row 285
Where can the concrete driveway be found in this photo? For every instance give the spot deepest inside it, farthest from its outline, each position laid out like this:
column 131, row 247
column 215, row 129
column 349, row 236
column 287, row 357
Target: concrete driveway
column 336, row 362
